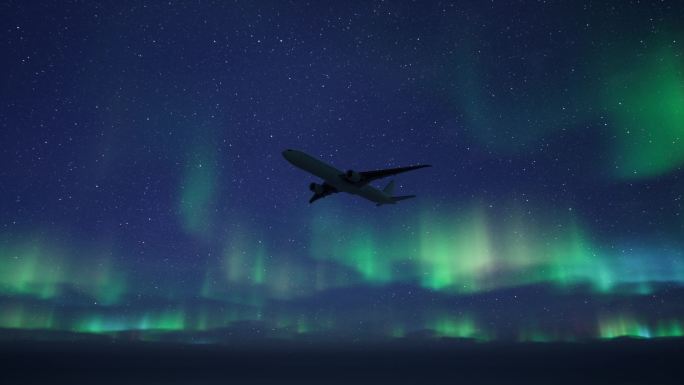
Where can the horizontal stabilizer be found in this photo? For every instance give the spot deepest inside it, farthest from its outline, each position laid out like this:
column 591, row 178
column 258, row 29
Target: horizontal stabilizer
column 402, row 197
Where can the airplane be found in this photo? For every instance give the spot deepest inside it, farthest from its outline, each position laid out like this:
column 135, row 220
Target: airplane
column 352, row 182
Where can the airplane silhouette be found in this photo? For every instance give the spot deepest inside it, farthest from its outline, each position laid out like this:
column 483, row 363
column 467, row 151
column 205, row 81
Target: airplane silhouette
column 352, row 182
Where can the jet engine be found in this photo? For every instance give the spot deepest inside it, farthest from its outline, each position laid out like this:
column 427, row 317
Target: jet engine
column 353, row 176
column 317, row 188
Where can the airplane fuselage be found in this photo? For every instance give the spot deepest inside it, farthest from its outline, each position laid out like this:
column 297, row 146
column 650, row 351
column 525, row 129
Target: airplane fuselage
column 335, row 177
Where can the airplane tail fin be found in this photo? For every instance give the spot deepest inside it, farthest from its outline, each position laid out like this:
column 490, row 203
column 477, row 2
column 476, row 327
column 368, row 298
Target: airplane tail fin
column 388, row 191
column 389, row 188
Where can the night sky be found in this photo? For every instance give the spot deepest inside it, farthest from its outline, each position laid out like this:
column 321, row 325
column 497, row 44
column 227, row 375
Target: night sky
column 143, row 192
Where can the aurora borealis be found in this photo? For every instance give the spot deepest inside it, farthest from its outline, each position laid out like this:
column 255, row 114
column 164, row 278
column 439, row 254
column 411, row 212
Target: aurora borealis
column 143, row 194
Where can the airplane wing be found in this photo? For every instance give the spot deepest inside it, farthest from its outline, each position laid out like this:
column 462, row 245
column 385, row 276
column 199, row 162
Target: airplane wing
column 369, row 176
column 327, row 190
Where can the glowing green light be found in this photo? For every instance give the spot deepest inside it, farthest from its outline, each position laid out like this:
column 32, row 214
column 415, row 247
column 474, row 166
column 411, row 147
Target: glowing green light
column 455, row 257
column 245, row 260
column 35, row 268
column 397, row 331
column 573, row 259
column 646, row 98
column 623, row 326
column 362, row 254
column 197, row 192
column 471, row 252
column 670, row 328
column 99, row 279
column 463, row 327
column 534, row 336
column 98, row 324
column 356, row 248
column 245, row 273
column 20, row 316
column 168, row 320
column 454, row 252
column 303, row 326
column 258, row 267
column 28, row 268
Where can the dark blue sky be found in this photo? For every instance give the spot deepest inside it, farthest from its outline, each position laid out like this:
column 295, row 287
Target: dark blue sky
column 142, row 185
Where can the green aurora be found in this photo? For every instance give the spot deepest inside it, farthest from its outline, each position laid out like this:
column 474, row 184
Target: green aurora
column 198, row 192
column 646, row 100
column 457, row 255
column 623, row 96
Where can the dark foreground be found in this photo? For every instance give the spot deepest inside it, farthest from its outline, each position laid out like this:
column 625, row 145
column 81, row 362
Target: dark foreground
column 408, row 362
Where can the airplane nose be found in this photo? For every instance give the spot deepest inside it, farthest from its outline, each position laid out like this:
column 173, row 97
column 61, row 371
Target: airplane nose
column 287, row 152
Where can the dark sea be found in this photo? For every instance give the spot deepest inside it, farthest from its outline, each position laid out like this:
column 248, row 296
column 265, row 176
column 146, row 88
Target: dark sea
column 625, row 361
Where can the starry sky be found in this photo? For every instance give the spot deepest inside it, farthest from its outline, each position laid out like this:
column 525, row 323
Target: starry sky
column 143, row 192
